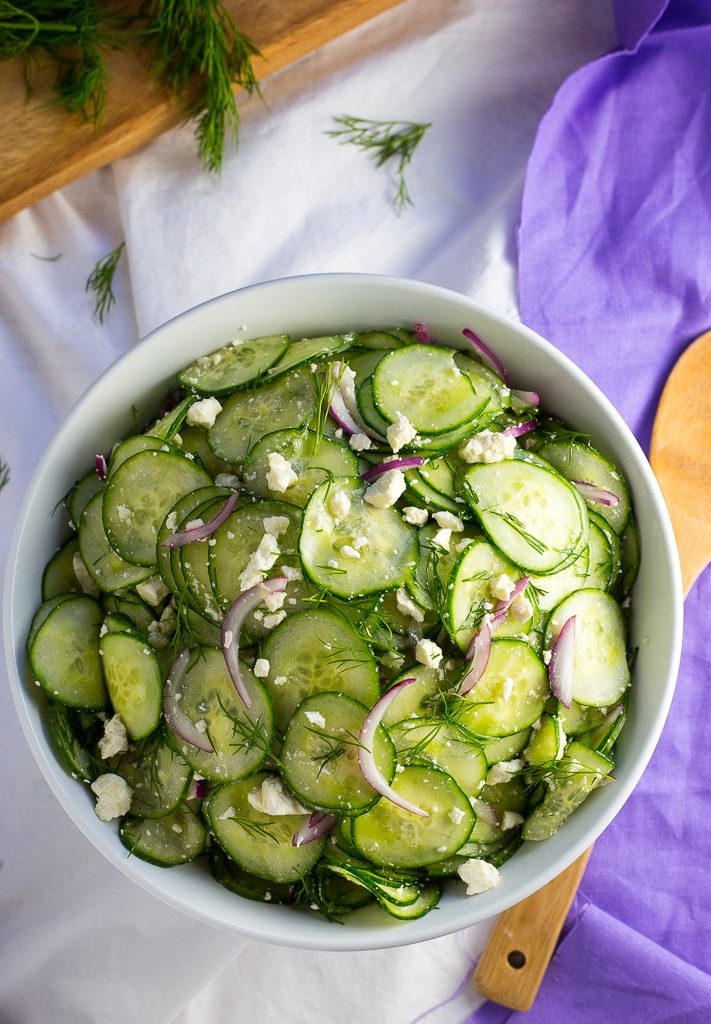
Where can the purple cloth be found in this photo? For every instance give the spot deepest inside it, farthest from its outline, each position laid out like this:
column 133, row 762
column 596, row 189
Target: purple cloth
column 615, row 269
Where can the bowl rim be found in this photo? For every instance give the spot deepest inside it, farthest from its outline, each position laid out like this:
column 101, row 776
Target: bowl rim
column 346, row 938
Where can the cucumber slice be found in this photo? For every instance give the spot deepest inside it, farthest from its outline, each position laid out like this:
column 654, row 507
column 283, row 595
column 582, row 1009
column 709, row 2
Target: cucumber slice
column 234, row 365
column 578, row 719
column 168, row 559
column 259, row 843
column 167, row 426
column 319, row 755
column 600, row 673
column 63, row 651
column 67, row 736
column 159, row 778
column 506, row 747
column 630, row 558
column 310, row 350
column 248, row 415
column 366, row 407
column 134, row 680
column 418, row 699
column 59, row 576
column 392, row 837
column 133, row 608
column 195, row 442
column 80, row 495
column 138, row 497
column 423, row 494
column 312, row 458
column 242, row 883
column 132, row 446
column 175, row 839
column 108, row 570
column 580, row 773
column 241, row 738
column 578, row 461
column 547, row 742
column 613, row 567
column 428, row 898
column 515, row 669
column 430, row 741
column 382, row 340
column 489, row 387
column 388, row 545
column 428, row 386
column 316, row 651
column 531, row 513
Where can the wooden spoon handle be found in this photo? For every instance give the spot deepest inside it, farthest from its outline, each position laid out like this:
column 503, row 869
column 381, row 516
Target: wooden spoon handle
column 524, row 938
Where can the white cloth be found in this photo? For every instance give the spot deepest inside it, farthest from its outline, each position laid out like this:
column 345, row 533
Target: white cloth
column 79, row 943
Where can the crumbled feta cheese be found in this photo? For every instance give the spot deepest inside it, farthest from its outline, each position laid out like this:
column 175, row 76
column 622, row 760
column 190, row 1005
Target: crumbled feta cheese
column 510, row 819
column 521, row 608
column 562, row 740
column 201, row 725
column 113, row 796
column 82, row 574
column 547, row 655
column 507, row 687
column 339, row 504
column 348, row 551
column 502, row 587
column 385, row 491
column 360, row 542
column 332, row 563
column 228, row 638
column 487, row 446
column 203, row 413
column 428, row 653
column 448, row 521
column 273, row 798
column 171, row 520
column 261, row 668
column 415, row 516
column 442, row 538
column 400, row 433
column 227, row 480
column 152, row 591
column 104, row 629
column 114, row 741
column 478, row 875
column 360, row 442
column 290, row 573
column 260, row 562
column 280, row 475
column 176, row 827
column 273, row 600
column 227, row 814
column 124, row 513
column 280, row 680
column 316, row 718
column 456, row 815
column 270, row 621
column 503, row 771
column 407, row 606
column 194, row 523
column 275, row 525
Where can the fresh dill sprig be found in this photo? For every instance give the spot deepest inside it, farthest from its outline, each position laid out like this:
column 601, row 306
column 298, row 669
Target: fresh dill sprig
column 100, row 282
column 386, row 140
column 254, row 828
column 4, row 474
column 199, row 52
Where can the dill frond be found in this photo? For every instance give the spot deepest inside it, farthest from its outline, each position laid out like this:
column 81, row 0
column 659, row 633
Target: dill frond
column 100, row 282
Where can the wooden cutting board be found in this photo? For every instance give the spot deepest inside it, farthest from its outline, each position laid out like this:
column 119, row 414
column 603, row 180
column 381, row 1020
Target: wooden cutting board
column 44, row 148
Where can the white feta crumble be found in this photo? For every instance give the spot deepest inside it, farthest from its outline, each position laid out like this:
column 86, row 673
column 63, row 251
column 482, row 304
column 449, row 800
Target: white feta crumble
column 510, row 819
column 415, row 516
column 104, row 629
column 407, row 606
column 176, row 827
column 280, row 680
column 547, row 655
column 521, row 608
column 478, row 875
column 114, row 740
column 442, row 538
column 273, row 798
column 348, row 551
column 428, row 653
column 124, row 513
column 332, row 563
column 503, row 771
column 488, row 446
column 339, row 504
column 400, row 433
column 203, row 413
column 82, row 574
column 290, row 573
column 502, row 587
column 260, row 562
column 261, row 668
column 227, row 814
column 194, row 523
column 275, row 525
column 316, row 718
column 270, row 621
column 113, row 796
column 280, row 475
column 360, row 442
column 152, row 591
column 227, row 480
column 272, row 600
column 228, row 638
column 360, row 542
column 507, row 687
column 385, row 491
column 562, row 740
column 171, row 520
column 201, row 725
column 448, row 521
column 456, row 815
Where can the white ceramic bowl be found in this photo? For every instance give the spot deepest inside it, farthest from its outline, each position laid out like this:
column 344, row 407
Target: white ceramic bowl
column 314, row 305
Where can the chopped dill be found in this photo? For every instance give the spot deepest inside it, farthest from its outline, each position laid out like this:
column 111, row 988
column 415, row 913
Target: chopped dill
column 100, row 282
column 5, row 479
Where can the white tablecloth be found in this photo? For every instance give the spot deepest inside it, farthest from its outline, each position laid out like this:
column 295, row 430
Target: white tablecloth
column 78, row 942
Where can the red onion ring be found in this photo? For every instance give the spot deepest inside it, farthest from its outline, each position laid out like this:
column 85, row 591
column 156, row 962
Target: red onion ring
column 492, row 361
column 502, row 607
column 200, row 789
column 366, row 760
column 205, row 530
column 527, row 397
column 596, row 494
column 560, row 669
column 339, row 412
column 422, row 334
column 100, row 466
column 350, row 407
column 478, row 651
column 411, row 462
column 175, row 719
column 232, row 628
column 317, row 824
column 521, row 428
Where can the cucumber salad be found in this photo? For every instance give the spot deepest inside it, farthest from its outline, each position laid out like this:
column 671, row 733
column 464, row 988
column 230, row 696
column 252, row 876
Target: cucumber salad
column 348, row 621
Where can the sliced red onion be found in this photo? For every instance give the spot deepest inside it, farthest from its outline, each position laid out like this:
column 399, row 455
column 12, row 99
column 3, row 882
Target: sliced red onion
column 596, row 494
column 176, row 720
column 519, row 429
column 560, row 669
column 527, row 397
column 366, row 760
column 199, row 789
column 232, row 628
column 422, row 334
column 317, row 825
column 478, row 651
column 204, row 530
column 341, row 395
column 100, row 466
column 492, row 361
column 502, row 607
column 340, row 414
column 411, row 462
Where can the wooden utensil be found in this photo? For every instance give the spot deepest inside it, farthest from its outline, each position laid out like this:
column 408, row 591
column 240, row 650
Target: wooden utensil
column 515, row 960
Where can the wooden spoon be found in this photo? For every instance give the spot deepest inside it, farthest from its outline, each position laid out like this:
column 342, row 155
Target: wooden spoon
column 515, row 960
